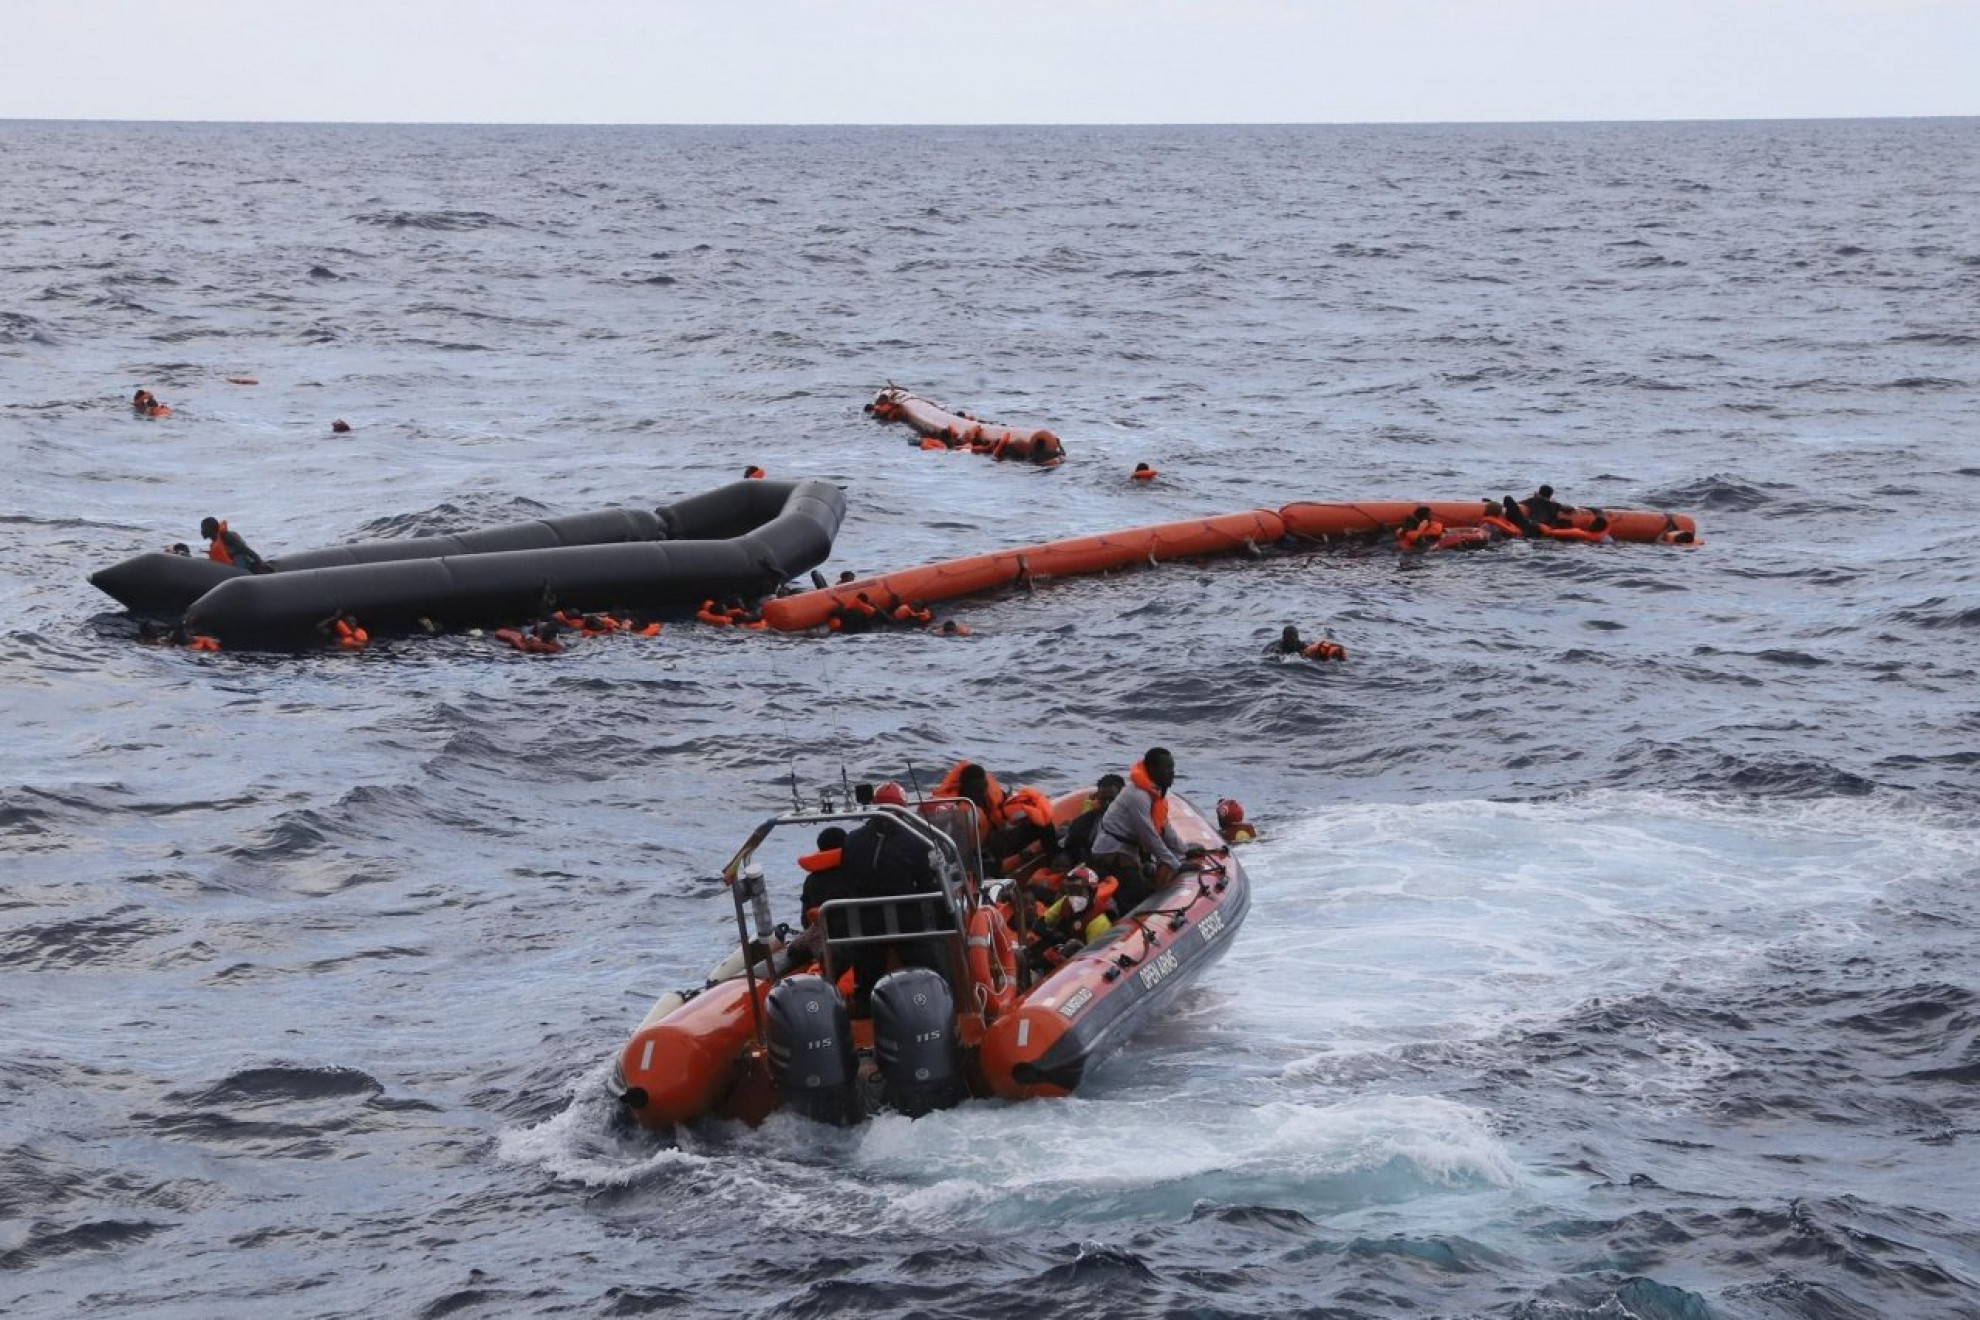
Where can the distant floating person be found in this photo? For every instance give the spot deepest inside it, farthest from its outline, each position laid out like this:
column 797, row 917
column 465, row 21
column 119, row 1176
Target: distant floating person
column 1143, row 472
column 145, row 404
column 341, row 427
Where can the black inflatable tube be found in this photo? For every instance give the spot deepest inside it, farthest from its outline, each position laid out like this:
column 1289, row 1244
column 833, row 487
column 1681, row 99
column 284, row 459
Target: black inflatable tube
column 163, row 586
column 775, row 531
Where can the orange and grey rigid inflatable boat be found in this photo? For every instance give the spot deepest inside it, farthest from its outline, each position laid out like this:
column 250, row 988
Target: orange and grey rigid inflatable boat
column 771, row 1028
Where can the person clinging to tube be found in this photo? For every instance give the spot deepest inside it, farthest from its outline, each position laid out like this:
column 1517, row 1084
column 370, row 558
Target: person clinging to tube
column 227, row 547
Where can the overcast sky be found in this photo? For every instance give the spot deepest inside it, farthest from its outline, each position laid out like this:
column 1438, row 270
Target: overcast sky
column 986, row 61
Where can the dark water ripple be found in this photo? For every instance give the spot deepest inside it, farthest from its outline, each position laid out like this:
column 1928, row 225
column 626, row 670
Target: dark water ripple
column 310, row 965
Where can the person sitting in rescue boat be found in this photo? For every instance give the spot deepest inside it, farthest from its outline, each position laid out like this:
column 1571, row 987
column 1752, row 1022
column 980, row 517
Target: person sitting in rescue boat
column 1076, row 846
column 822, row 884
column 227, row 547
column 1135, row 842
column 1082, row 913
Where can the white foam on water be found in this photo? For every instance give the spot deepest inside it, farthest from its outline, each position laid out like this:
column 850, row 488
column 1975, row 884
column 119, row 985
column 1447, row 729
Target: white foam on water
column 1375, row 926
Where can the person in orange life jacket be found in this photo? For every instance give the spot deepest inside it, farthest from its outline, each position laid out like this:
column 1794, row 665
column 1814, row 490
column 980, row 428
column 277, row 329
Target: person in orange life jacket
column 1515, row 513
column 1143, row 472
column 1674, row 534
column 1542, row 508
column 342, row 631
column 966, row 779
column 1231, row 822
column 950, row 628
column 145, row 404
column 1419, row 531
column 227, row 547
column 1596, row 533
column 1077, row 845
column 822, row 884
column 1498, row 526
column 884, row 859
column 1135, row 842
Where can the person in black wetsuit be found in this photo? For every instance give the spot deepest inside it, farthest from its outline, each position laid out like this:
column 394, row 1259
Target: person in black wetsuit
column 884, row 859
column 1544, row 509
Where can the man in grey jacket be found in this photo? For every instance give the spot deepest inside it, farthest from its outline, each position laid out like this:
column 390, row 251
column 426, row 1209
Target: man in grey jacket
column 1134, row 842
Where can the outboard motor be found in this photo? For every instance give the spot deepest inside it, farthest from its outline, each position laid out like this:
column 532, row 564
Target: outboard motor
column 811, row 1049
column 914, row 1041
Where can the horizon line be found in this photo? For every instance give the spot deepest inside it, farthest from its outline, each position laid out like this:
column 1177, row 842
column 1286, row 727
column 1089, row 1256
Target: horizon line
column 884, row 124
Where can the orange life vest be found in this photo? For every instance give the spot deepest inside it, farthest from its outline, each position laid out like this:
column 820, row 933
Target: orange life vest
column 1421, row 536
column 216, row 549
column 1159, row 811
column 1507, row 526
column 992, row 814
column 203, row 643
column 1325, row 650
column 350, row 637
column 1142, row 472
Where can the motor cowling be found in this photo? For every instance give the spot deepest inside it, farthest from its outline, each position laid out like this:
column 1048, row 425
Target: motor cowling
column 811, row 1049
column 915, row 1042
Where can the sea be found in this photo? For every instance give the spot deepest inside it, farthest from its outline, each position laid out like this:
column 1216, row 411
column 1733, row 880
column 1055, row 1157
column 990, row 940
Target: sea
column 1613, row 954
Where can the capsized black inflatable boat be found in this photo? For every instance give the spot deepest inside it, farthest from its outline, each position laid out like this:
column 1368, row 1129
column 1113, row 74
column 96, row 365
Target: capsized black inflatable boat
column 744, row 539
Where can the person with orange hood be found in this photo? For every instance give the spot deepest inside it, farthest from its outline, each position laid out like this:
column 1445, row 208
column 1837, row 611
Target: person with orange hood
column 1134, row 842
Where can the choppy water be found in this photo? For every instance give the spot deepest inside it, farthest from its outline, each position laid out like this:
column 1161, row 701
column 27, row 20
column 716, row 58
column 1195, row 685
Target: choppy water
column 1614, row 946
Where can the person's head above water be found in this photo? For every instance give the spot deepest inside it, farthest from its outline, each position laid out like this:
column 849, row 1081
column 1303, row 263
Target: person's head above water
column 1160, row 765
column 209, row 527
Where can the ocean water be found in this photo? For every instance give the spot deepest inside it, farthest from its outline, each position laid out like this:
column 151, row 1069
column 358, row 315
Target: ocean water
column 1613, row 953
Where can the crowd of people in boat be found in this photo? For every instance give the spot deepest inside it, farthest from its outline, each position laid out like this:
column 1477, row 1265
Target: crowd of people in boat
column 1069, row 884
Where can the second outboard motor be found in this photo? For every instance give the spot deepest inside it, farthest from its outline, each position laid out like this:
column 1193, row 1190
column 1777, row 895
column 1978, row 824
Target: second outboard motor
column 914, row 1041
column 811, row 1049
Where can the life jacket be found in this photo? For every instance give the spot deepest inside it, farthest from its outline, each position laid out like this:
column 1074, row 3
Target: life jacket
column 1242, row 832
column 1325, row 650
column 650, row 630
column 1142, row 472
column 825, row 859
column 529, row 642
column 350, row 637
column 1089, row 925
column 933, row 442
column 987, row 817
column 906, row 613
column 217, row 550
column 711, row 615
column 1159, row 810
column 198, row 643
column 1577, row 534
column 1420, row 537
column 1497, row 523
column 752, row 473
column 1028, row 803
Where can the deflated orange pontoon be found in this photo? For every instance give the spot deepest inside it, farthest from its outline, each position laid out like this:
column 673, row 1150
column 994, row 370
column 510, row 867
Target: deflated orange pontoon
column 953, row 430
column 1078, row 555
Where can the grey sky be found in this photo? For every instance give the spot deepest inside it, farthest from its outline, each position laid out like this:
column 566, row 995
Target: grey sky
column 986, row 61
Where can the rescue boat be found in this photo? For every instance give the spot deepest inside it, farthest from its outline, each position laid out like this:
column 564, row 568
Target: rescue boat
column 939, row 428
column 771, row 1027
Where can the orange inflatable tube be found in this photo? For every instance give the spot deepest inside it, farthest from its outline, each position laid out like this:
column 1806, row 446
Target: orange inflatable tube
column 960, row 431
column 974, row 574
column 1001, row 568
column 686, row 1063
